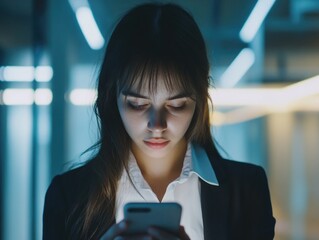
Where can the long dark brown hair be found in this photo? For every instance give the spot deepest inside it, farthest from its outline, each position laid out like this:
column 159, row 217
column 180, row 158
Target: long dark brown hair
column 150, row 39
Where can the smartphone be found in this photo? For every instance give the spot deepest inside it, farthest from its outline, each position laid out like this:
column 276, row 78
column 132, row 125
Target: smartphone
column 142, row 215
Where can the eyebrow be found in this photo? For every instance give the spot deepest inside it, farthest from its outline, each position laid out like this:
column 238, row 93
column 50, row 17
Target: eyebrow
column 135, row 94
column 179, row 95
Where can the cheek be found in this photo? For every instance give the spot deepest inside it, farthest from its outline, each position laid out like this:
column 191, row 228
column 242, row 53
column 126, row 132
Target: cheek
column 134, row 123
column 130, row 119
column 179, row 123
column 134, row 120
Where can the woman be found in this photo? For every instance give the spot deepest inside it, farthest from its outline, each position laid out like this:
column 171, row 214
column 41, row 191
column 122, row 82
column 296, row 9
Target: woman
column 155, row 142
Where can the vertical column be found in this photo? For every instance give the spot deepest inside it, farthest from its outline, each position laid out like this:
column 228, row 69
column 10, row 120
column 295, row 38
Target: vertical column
column 58, row 47
column 3, row 148
column 298, row 193
column 280, row 134
column 17, row 173
column 38, row 45
column 2, row 165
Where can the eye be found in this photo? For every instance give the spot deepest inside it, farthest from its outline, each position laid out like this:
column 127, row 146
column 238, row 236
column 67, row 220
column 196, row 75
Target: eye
column 177, row 108
column 137, row 106
column 177, row 105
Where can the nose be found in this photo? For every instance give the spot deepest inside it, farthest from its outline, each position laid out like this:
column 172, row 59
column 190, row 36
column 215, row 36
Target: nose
column 157, row 120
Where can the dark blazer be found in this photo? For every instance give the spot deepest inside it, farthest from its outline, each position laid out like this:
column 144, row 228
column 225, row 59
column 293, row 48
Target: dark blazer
column 239, row 208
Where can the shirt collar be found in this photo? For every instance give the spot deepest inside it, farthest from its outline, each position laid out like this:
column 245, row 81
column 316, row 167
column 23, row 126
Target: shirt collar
column 202, row 166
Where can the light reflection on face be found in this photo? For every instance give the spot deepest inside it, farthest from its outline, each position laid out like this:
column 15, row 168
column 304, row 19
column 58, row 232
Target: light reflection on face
column 156, row 122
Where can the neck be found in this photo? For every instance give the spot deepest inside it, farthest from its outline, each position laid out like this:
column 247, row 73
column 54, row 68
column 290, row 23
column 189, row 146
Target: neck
column 162, row 166
column 159, row 172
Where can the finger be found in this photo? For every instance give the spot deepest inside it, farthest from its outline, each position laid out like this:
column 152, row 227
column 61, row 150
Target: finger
column 160, row 234
column 115, row 230
column 182, row 234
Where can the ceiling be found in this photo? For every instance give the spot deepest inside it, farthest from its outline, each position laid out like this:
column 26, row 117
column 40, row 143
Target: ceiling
column 287, row 48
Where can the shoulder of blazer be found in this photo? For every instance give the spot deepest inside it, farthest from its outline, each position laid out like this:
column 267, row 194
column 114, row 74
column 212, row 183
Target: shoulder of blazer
column 236, row 172
column 229, row 170
column 241, row 169
column 75, row 174
column 241, row 203
column 73, row 183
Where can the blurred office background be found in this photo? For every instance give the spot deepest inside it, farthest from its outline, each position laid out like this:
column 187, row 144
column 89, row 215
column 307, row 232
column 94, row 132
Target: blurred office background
column 265, row 66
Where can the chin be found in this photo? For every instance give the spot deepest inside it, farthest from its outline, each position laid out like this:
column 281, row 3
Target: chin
column 157, row 153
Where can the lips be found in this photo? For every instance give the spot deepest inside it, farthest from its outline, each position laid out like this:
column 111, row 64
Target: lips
column 156, row 143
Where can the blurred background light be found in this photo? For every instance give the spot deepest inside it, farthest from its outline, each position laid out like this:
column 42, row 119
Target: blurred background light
column 255, row 20
column 266, row 96
column 26, row 73
column 17, row 73
column 89, row 27
column 17, row 96
column 236, row 116
column 237, row 69
column 224, row 97
column 257, row 102
column 300, row 90
column 82, row 97
column 26, row 96
column 43, row 73
column 43, row 96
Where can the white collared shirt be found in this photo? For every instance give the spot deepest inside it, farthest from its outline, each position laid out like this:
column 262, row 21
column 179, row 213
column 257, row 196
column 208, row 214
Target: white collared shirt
column 185, row 190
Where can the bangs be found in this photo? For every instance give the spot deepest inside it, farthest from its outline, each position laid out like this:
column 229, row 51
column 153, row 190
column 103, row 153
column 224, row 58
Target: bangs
column 145, row 74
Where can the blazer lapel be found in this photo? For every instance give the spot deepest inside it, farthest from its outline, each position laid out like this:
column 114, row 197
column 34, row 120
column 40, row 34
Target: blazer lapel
column 215, row 200
column 215, row 210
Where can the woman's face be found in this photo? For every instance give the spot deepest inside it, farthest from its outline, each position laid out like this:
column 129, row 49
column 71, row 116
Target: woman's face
column 156, row 122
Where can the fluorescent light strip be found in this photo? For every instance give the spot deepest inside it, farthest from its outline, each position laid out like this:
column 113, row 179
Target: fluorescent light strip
column 89, row 27
column 26, row 73
column 300, row 90
column 238, row 68
column 26, row 96
column 255, row 103
column 17, row 73
column 255, row 19
column 252, row 112
column 43, row 73
column 43, row 96
column 240, row 97
column 237, row 116
column 17, row 96
column 83, row 97
column 266, row 97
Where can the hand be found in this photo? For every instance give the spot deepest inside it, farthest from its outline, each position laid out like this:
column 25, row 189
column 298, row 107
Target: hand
column 118, row 232
column 115, row 231
column 159, row 234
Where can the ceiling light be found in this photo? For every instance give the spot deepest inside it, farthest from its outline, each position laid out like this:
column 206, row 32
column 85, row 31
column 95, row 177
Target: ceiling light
column 26, row 73
column 89, row 28
column 255, row 19
column 83, row 97
column 238, row 68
